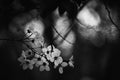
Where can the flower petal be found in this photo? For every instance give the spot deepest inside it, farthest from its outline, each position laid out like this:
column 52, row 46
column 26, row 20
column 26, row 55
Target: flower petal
column 42, row 68
column 64, row 64
column 60, row 70
column 47, row 68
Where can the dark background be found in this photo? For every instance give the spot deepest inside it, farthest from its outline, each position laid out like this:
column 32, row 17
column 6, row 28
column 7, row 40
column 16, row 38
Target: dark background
column 85, row 54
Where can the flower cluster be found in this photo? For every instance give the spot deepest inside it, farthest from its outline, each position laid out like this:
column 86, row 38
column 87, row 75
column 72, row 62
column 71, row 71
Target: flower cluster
column 48, row 55
column 39, row 54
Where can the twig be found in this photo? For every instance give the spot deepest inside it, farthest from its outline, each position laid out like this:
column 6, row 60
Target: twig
column 61, row 35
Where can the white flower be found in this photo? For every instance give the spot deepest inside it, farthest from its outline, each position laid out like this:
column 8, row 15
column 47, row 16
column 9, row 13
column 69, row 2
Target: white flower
column 44, row 50
column 49, row 57
column 26, row 63
column 30, row 66
column 37, row 56
column 21, row 59
column 49, row 48
column 57, row 61
column 33, row 61
column 25, row 66
column 45, row 66
column 56, row 52
column 27, row 53
column 42, row 68
column 23, row 54
column 39, row 63
column 43, row 59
